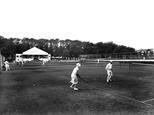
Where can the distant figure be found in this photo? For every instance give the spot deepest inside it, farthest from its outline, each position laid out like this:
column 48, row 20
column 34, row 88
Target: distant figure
column 22, row 63
column 17, row 62
column 7, row 66
column 74, row 79
column 98, row 61
column 43, row 62
column 109, row 70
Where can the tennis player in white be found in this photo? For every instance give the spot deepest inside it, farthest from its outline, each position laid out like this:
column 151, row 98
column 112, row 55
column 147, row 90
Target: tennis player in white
column 43, row 62
column 7, row 66
column 109, row 70
column 74, row 79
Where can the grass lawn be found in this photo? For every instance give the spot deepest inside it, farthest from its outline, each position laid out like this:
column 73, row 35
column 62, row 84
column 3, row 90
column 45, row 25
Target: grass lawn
column 37, row 90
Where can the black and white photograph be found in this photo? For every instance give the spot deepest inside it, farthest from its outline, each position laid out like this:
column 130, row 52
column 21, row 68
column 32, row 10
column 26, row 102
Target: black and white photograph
column 76, row 57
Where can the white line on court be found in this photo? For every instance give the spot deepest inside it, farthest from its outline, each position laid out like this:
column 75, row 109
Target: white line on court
column 145, row 102
column 148, row 100
column 142, row 102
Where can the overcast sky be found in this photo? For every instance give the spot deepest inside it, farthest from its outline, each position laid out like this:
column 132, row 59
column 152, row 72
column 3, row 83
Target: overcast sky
column 125, row 22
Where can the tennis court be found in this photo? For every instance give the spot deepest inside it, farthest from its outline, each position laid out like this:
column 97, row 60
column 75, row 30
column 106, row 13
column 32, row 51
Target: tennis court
column 34, row 89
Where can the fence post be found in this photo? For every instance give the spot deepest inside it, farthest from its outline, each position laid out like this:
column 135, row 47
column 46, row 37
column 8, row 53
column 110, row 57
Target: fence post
column 116, row 56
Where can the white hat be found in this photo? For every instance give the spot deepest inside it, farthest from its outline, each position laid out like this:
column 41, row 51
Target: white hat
column 78, row 64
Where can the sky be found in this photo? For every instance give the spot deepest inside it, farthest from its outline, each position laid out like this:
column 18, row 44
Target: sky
column 124, row 22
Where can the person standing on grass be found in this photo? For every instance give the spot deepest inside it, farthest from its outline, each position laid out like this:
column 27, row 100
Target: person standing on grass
column 109, row 70
column 74, row 79
column 98, row 61
column 7, row 66
column 43, row 62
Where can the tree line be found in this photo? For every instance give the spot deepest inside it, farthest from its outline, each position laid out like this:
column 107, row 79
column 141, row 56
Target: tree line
column 56, row 47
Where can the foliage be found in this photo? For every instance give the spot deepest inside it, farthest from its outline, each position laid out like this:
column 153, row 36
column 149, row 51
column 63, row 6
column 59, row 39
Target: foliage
column 56, row 47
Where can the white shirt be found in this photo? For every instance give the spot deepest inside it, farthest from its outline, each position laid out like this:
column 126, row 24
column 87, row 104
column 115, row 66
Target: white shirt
column 108, row 66
column 6, row 63
column 74, row 72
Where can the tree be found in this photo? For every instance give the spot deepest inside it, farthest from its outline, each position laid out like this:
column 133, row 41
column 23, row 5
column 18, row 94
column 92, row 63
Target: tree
column 66, row 48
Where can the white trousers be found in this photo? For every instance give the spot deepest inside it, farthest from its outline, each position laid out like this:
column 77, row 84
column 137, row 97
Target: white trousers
column 74, row 79
column 7, row 67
